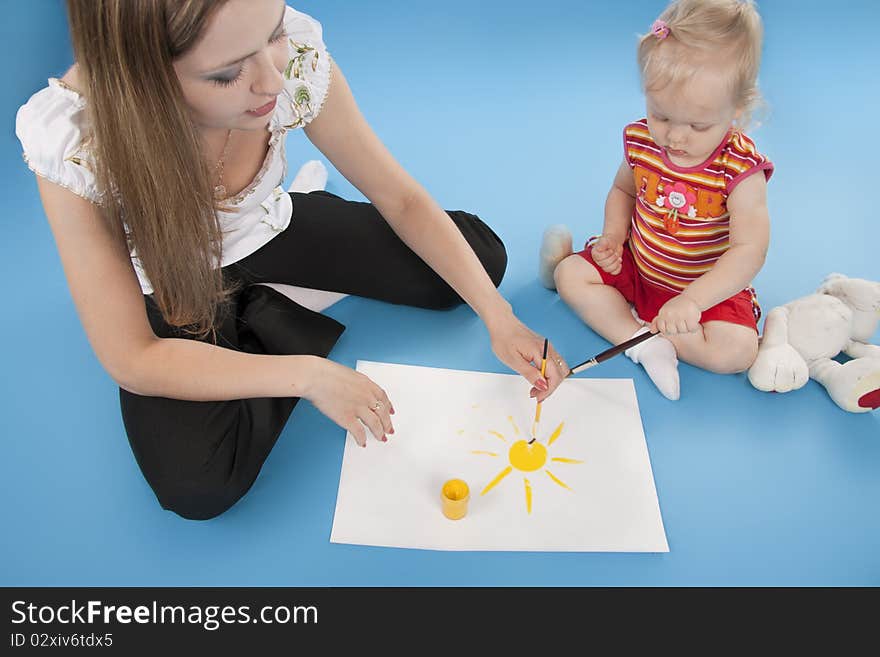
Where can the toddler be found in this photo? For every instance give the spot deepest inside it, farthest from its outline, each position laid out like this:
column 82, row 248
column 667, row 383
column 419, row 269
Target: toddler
column 686, row 224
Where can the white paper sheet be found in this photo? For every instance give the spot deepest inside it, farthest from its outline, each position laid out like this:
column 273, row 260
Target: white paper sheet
column 590, row 490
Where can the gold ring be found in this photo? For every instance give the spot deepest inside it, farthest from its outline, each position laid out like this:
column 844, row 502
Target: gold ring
column 559, row 362
column 376, row 406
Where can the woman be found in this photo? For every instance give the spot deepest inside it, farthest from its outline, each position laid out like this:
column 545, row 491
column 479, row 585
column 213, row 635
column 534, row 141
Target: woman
column 159, row 156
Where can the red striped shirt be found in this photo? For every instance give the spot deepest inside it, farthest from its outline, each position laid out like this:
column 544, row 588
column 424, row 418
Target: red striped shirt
column 680, row 224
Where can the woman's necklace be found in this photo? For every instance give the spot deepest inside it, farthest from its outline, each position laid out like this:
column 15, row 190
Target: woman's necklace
column 220, row 188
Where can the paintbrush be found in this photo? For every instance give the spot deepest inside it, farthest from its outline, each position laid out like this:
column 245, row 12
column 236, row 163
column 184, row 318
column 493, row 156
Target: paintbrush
column 538, row 407
column 610, row 353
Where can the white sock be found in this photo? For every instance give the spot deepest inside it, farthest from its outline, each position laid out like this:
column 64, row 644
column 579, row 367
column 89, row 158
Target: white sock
column 555, row 246
column 660, row 361
column 311, row 177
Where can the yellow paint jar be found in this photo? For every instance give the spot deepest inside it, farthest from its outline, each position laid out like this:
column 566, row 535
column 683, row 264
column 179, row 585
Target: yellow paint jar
column 454, row 498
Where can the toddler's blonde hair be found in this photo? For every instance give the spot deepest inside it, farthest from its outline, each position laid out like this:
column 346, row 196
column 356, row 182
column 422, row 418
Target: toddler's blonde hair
column 701, row 28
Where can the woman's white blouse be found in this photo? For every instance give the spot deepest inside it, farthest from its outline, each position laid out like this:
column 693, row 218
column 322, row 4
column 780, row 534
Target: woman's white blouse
column 53, row 131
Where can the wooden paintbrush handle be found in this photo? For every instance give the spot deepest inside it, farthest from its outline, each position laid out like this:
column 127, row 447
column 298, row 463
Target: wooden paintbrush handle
column 610, row 353
column 623, row 346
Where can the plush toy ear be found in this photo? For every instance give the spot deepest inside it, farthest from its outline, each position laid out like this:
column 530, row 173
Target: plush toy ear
column 831, row 284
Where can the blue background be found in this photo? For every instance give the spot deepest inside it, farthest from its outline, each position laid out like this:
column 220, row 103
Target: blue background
column 512, row 110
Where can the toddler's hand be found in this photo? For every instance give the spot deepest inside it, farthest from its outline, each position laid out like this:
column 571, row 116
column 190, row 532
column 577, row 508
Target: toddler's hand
column 608, row 254
column 680, row 314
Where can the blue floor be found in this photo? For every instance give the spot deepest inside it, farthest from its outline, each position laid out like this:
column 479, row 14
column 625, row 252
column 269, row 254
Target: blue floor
column 513, row 112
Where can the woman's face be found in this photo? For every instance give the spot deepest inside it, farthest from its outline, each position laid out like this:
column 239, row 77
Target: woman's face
column 236, row 66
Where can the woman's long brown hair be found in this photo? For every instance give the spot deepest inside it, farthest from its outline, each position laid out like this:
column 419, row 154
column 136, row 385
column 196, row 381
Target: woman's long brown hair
column 147, row 152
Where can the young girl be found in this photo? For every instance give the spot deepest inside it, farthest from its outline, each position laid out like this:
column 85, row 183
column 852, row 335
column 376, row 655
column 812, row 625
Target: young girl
column 686, row 223
column 159, row 158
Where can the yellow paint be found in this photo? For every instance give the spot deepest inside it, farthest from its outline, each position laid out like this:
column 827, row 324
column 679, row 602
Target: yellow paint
column 460, row 432
column 501, row 475
column 527, row 458
column 555, row 434
column 454, row 497
column 556, row 479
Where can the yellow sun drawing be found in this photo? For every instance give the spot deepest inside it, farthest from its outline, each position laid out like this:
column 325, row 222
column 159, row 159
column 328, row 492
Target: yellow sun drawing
column 527, row 457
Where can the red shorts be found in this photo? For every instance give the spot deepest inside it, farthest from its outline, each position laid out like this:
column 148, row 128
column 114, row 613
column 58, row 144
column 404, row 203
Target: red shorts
column 742, row 308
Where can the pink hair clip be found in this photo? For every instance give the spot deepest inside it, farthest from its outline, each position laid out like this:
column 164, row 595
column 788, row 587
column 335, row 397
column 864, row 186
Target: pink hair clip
column 660, row 29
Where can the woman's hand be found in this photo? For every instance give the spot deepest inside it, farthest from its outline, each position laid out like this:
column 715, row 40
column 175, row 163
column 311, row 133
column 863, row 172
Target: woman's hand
column 680, row 314
column 521, row 349
column 350, row 399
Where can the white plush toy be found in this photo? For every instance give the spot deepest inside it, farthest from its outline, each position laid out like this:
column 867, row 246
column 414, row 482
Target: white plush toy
column 802, row 337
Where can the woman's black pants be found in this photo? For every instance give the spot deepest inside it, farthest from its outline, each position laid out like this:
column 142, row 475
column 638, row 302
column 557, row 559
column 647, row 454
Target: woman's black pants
column 200, row 458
